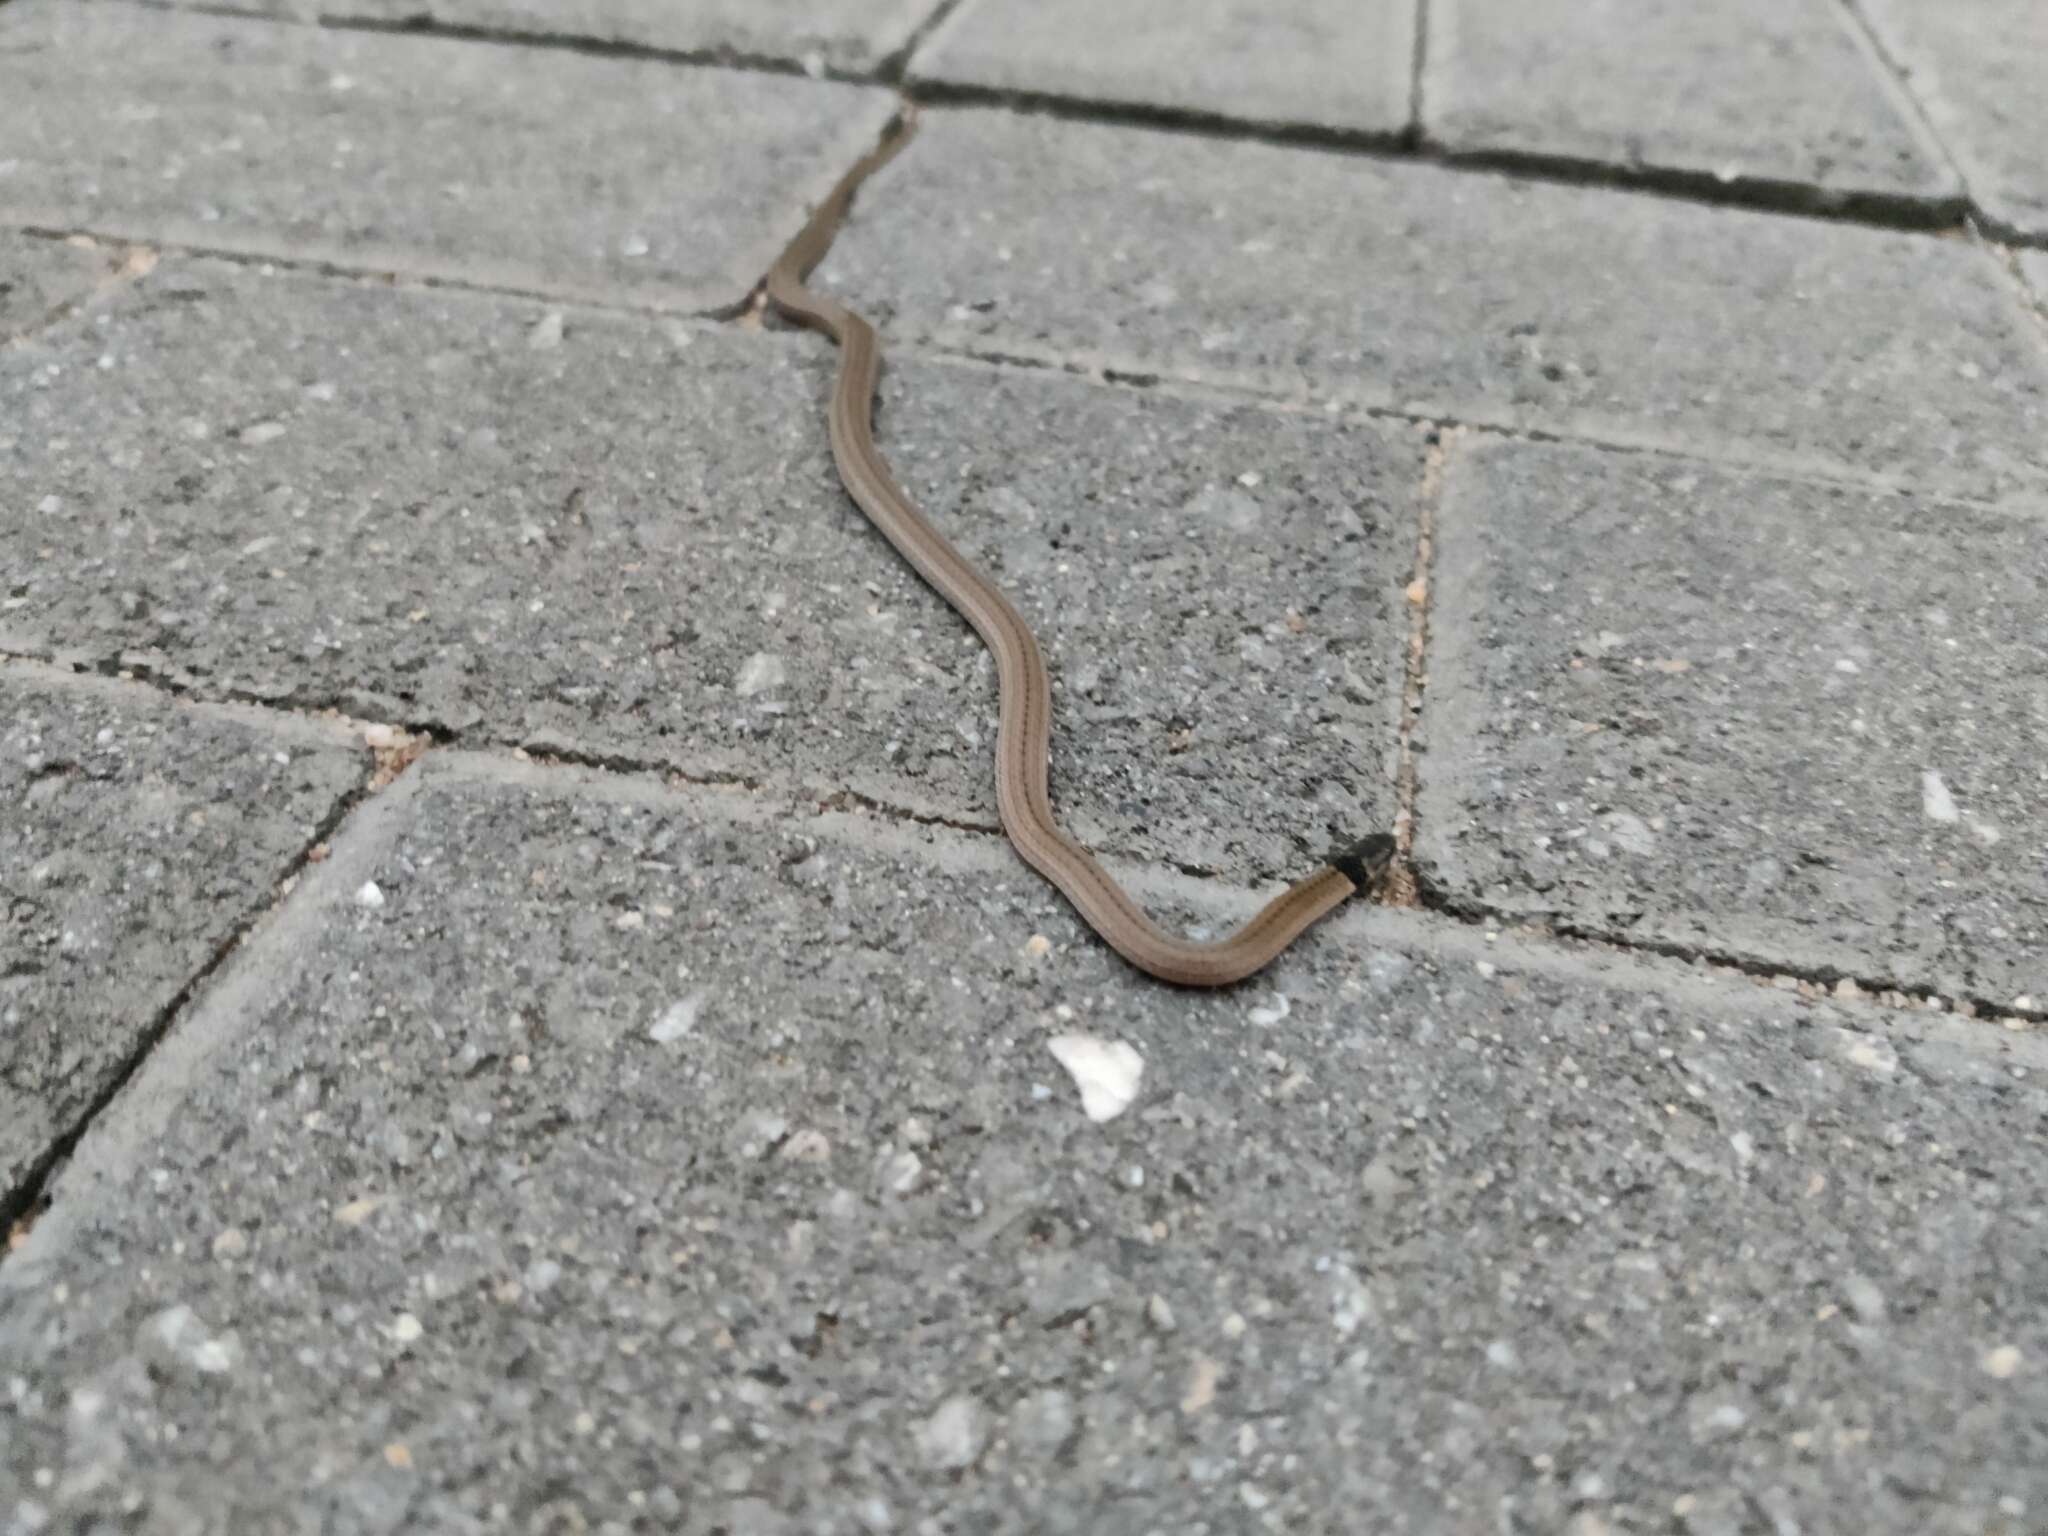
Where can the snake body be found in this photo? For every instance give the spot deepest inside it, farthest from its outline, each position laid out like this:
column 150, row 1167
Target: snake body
column 1024, row 730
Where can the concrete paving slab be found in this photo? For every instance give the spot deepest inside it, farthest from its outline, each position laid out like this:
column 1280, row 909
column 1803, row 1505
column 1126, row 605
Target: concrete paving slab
column 590, row 534
column 851, row 35
column 1338, row 65
column 2034, row 268
column 1743, row 714
column 534, row 169
column 1800, row 343
column 40, row 279
column 1790, row 100
column 140, row 836
column 631, row 1161
column 1977, row 69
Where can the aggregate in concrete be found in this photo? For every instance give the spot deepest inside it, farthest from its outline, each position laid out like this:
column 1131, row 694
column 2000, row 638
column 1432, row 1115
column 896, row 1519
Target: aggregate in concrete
column 1745, row 91
column 1722, row 710
column 594, row 535
column 40, row 279
column 1451, row 293
column 520, row 167
column 1978, row 69
column 139, row 836
column 852, row 35
column 1341, row 65
column 640, row 1161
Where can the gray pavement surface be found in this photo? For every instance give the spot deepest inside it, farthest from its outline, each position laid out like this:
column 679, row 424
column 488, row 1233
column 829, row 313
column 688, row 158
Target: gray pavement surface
column 425, row 156
column 2034, row 269
column 1817, row 742
column 668, row 1104
column 141, row 836
column 41, row 279
column 577, row 532
column 1822, row 347
column 1976, row 67
column 1336, row 65
column 1756, row 92
column 520, row 1197
column 852, row 35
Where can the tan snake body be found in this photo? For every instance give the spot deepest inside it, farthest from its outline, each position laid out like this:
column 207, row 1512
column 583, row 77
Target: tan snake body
column 1023, row 735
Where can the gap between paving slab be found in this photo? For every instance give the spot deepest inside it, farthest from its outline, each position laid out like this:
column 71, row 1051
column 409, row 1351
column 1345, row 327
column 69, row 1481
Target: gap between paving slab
column 20, row 1199
column 1459, row 1168
column 114, row 1146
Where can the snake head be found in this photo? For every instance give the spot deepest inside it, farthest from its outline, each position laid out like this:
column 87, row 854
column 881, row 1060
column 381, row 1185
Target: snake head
column 1365, row 862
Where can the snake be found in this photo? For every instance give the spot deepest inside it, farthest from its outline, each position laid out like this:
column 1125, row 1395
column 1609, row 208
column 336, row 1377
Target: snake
column 1024, row 723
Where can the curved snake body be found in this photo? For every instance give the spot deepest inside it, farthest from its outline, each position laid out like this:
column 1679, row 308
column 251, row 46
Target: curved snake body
column 1024, row 729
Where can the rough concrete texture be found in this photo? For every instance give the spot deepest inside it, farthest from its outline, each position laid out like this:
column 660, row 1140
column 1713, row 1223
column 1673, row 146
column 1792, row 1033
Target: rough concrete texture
column 519, row 167
column 636, row 1160
column 1791, row 721
column 1978, row 69
column 1744, row 91
column 138, row 837
column 854, row 35
column 1452, row 293
column 568, row 531
column 1343, row 65
column 2034, row 268
column 40, row 279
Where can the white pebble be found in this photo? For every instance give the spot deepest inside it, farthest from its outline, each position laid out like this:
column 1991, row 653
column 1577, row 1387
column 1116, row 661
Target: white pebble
column 759, row 673
column 951, row 1438
column 262, row 432
column 1106, row 1072
column 1935, row 799
column 1273, row 1012
column 369, row 896
column 677, row 1020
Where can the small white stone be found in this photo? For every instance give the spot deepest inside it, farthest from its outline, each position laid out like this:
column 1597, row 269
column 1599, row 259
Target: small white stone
column 633, row 245
column 1935, row 799
column 2001, row 1362
column 1273, row 1012
column 759, row 673
column 50, row 505
column 541, row 1275
column 262, row 432
column 230, row 1244
column 900, row 1173
column 405, row 1328
column 369, row 896
column 1106, row 1072
column 677, row 1020
column 952, row 1437
column 379, row 738
column 806, row 1146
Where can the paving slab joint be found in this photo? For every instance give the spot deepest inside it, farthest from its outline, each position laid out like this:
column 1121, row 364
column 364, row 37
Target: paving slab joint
column 191, row 686
column 1898, row 80
column 722, row 56
column 2032, row 299
column 562, row 755
column 137, row 262
column 1418, row 63
column 24, row 1203
column 1810, row 982
column 895, row 136
column 1400, row 889
column 891, row 68
column 1412, row 141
